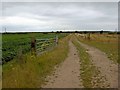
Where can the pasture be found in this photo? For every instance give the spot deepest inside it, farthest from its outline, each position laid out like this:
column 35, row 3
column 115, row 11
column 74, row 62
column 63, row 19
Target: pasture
column 12, row 44
column 31, row 71
column 97, row 55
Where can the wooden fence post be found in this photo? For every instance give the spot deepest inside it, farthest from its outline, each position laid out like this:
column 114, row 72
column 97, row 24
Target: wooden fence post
column 33, row 46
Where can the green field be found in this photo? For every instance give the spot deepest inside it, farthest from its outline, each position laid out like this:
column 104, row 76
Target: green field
column 32, row 73
column 12, row 43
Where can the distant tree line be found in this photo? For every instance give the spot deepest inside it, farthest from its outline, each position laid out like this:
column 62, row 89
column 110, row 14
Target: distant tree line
column 82, row 32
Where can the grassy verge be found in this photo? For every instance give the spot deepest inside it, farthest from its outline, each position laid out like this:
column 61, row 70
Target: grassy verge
column 91, row 77
column 109, row 45
column 32, row 73
column 87, row 69
column 90, row 74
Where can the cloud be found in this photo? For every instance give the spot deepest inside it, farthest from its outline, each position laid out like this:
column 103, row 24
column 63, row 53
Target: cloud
column 15, row 20
column 59, row 16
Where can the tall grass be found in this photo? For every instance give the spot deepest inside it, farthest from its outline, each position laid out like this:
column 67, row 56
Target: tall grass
column 32, row 73
column 106, row 43
column 86, row 67
column 90, row 74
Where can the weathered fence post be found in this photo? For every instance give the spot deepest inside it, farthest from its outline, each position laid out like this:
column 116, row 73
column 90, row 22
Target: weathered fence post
column 33, row 46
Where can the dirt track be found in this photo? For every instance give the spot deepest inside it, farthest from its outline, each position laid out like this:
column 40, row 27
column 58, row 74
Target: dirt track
column 67, row 75
column 106, row 67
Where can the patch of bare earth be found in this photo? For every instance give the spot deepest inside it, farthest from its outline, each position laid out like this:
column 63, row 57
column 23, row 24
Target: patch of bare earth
column 67, row 75
column 107, row 75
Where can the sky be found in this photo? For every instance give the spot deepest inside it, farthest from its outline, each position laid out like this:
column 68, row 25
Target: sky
column 59, row 16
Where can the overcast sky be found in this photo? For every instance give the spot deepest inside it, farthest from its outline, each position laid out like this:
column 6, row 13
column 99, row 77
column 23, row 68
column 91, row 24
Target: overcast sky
column 54, row 16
